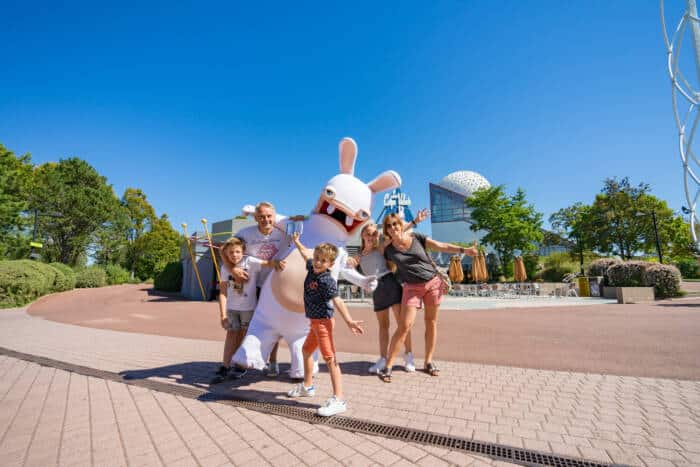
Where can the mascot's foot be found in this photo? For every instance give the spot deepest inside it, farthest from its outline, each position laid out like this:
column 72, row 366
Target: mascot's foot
column 300, row 374
column 272, row 370
column 296, row 375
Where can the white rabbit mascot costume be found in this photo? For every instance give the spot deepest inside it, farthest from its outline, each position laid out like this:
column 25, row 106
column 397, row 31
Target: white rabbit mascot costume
column 344, row 206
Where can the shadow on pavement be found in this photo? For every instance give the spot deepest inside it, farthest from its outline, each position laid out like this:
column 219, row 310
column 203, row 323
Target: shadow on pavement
column 155, row 296
column 190, row 373
column 680, row 305
column 199, row 374
column 253, row 395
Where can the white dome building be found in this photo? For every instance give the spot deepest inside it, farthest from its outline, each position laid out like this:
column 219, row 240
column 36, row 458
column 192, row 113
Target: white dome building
column 450, row 218
column 464, row 182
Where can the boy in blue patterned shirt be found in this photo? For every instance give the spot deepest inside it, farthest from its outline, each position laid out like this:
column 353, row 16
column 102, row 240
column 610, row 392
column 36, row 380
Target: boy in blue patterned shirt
column 320, row 299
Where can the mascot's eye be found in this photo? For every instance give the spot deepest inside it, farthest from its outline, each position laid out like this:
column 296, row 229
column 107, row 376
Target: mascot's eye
column 362, row 214
column 330, row 192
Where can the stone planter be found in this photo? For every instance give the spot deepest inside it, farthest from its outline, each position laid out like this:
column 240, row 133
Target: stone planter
column 609, row 292
column 635, row 294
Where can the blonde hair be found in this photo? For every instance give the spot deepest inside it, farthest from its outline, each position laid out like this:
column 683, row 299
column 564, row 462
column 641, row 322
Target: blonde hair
column 327, row 251
column 362, row 239
column 387, row 219
column 230, row 243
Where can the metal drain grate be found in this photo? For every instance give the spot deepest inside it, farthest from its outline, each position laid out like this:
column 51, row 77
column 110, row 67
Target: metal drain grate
column 492, row 450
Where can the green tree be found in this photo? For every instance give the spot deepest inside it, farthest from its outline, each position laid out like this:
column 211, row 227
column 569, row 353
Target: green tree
column 575, row 224
column 510, row 222
column 15, row 183
column 141, row 213
column 111, row 239
column 75, row 201
column 141, row 216
column 114, row 241
column 156, row 248
column 676, row 240
column 621, row 218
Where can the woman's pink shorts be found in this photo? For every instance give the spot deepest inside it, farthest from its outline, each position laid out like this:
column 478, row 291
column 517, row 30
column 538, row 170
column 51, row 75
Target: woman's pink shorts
column 429, row 293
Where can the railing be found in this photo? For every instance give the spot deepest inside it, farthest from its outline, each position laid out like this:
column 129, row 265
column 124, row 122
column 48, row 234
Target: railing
column 514, row 290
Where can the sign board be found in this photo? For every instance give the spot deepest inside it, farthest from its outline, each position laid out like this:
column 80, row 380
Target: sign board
column 36, row 245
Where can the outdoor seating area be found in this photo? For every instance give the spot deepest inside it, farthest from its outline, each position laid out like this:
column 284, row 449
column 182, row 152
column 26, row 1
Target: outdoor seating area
column 506, row 290
column 512, row 290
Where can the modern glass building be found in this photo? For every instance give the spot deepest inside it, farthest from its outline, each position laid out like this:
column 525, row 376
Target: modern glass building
column 450, row 218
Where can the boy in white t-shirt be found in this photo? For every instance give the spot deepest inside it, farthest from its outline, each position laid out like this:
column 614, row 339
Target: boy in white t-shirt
column 237, row 300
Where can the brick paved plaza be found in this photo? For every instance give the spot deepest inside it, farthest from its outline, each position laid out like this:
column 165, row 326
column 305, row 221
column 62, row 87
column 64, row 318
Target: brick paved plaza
column 52, row 417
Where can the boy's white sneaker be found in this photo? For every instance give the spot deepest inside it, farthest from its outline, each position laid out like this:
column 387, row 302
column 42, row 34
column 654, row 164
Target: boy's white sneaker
column 333, row 406
column 300, row 391
column 409, row 365
column 378, row 365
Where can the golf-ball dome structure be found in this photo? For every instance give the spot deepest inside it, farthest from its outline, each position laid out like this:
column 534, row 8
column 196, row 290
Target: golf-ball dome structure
column 464, row 182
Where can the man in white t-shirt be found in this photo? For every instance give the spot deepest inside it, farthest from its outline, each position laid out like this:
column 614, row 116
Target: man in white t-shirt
column 263, row 241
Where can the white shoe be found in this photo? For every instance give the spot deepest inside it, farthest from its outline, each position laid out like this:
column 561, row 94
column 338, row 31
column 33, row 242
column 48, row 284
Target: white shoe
column 378, row 365
column 409, row 365
column 332, row 406
column 300, row 391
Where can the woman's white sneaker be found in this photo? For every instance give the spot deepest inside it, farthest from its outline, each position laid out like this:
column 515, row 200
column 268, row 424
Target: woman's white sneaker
column 378, row 365
column 333, row 406
column 300, row 391
column 409, row 365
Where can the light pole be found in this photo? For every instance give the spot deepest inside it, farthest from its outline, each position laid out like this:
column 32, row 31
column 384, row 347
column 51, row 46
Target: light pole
column 34, row 244
column 656, row 232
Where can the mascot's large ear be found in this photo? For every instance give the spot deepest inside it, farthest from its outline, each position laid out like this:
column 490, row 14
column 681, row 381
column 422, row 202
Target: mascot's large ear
column 348, row 153
column 386, row 181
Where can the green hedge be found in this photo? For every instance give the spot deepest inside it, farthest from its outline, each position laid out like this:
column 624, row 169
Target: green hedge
column 665, row 279
column 21, row 282
column 170, row 278
column 556, row 273
column 116, row 274
column 555, row 266
column 689, row 268
column 66, row 277
column 628, row 274
column 599, row 267
column 92, row 276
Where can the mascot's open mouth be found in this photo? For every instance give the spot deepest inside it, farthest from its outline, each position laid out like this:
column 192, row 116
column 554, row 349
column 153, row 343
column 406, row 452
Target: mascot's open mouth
column 345, row 219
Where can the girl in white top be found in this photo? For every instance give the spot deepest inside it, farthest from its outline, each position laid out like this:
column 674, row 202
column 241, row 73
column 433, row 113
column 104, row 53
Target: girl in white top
column 237, row 298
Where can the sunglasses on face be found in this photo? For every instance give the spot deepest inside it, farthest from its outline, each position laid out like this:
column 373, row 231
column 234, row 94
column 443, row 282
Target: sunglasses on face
column 394, row 224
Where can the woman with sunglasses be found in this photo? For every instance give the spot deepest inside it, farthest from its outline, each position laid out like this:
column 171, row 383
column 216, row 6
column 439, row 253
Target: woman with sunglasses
column 387, row 296
column 422, row 283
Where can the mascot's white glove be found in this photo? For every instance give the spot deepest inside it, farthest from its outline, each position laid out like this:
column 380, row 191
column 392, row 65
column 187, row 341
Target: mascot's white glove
column 368, row 283
column 372, row 283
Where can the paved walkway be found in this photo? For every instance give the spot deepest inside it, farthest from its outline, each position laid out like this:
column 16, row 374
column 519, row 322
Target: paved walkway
column 608, row 339
column 638, row 421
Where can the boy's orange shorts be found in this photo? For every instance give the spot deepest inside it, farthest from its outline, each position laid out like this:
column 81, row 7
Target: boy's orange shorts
column 321, row 336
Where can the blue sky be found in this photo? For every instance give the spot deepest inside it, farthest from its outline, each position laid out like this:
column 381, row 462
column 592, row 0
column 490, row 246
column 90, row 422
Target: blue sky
column 209, row 106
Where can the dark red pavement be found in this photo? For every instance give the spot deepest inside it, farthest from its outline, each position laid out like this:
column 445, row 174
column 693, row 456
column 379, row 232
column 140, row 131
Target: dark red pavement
column 661, row 339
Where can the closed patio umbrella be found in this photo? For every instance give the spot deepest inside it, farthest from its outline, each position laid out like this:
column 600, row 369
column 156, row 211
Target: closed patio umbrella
column 519, row 273
column 456, row 274
column 484, row 271
column 479, row 272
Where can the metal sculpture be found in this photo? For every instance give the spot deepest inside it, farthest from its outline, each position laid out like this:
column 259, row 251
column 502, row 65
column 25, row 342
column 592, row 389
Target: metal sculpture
column 685, row 96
